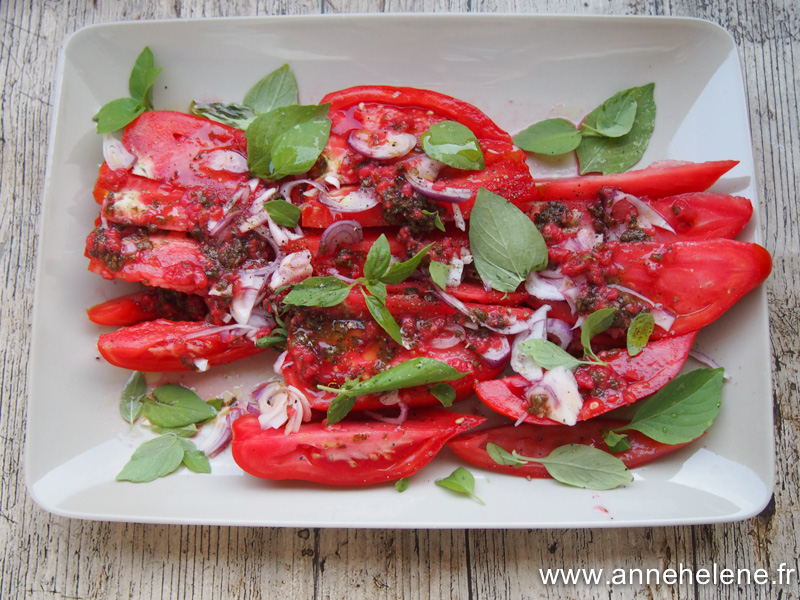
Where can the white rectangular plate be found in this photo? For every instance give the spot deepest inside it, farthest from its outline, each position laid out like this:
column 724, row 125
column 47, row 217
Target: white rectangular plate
column 518, row 69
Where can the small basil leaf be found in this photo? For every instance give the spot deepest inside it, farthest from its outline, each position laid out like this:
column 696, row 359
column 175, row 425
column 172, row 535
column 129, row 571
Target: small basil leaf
column 549, row 356
column 639, row 332
column 616, row 115
column 595, row 324
column 378, row 259
column 461, row 481
column 444, row 393
column 453, row 144
column 283, row 213
column 117, row 114
column 234, row 115
column 504, row 241
column 216, row 403
column 377, row 288
column 614, row 155
column 586, row 467
column 401, row 485
column 616, row 442
column 377, row 308
column 278, row 88
column 186, row 431
column 143, row 76
column 682, row 410
column 551, row 137
column 194, row 459
column 503, row 457
column 339, row 408
column 176, row 406
column 153, row 459
column 298, row 148
column 439, row 272
column 400, row 271
column 437, row 220
column 319, row 291
column 130, row 401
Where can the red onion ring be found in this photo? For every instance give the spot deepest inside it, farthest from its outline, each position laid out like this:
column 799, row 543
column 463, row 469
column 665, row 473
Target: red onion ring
column 561, row 330
column 349, row 199
column 495, row 357
column 456, row 335
column 338, row 234
column 442, row 194
column 369, row 144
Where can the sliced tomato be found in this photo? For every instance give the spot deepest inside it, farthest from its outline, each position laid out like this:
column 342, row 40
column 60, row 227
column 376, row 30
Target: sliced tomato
column 188, row 151
column 667, row 178
column 148, row 305
column 163, row 345
column 625, row 380
column 347, row 453
column 536, row 441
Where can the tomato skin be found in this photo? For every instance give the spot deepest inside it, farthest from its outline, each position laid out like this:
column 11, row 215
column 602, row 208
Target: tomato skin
column 633, row 379
column 161, row 345
column 537, row 442
column 667, row 178
column 147, row 305
column 347, row 453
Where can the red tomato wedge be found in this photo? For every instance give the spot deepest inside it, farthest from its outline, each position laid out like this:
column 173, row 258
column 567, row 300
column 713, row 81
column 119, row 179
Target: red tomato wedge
column 148, row 305
column 624, row 381
column 347, row 453
column 162, row 345
column 537, row 442
column 667, row 178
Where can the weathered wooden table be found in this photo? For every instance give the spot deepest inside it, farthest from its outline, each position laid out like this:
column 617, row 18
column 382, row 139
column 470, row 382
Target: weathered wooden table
column 44, row 556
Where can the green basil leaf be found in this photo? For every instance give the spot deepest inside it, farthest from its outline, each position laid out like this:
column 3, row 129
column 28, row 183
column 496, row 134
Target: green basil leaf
column 278, row 88
column 461, row 481
column 339, row 408
column 616, row 115
column 616, row 442
column 614, row 155
column 504, row 241
column 453, row 144
column 551, row 137
column 117, row 114
column 130, row 401
column 176, row 406
column 400, row 271
column 377, row 308
column 298, row 148
column 234, row 115
column 401, row 485
column 153, row 459
column 639, row 332
column 267, row 130
column 194, row 459
column 377, row 288
column 549, row 355
column 378, row 259
column 186, row 431
column 595, row 324
column 682, row 410
column 318, row 291
column 586, row 467
column 142, row 78
column 216, row 403
column 437, row 219
column 444, row 393
column 275, row 338
column 283, row 213
column 439, row 272
column 504, row 457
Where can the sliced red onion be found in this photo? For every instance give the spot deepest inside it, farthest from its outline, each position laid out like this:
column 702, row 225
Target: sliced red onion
column 116, row 154
column 514, row 325
column 644, row 209
column 222, row 434
column 458, row 218
column 541, row 288
column 349, row 199
column 497, row 356
column 201, row 364
column 214, row 330
column 226, row 160
column 709, row 362
column 390, row 144
column 584, row 241
column 279, row 362
column 522, row 363
column 219, row 228
column 453, row 334
column 286, row 188
column 440, row 193
column 293, row 267
column 564, row 401
column 279, row 404
column 398, row 420
column 561, row 330
column 340, row 233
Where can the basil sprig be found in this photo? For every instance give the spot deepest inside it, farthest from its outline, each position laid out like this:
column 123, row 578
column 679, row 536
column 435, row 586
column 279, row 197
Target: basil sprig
column 118, row 113
column 461, row 481
column 379, row 272
column 453, row 144
column 283, row 213
column 611, row 139
column 578, row 465
column 160, row 457
column 505, row 243
column 411, row 373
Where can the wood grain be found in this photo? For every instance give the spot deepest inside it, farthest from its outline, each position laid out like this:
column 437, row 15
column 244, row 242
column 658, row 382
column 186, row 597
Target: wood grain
column 52, row 557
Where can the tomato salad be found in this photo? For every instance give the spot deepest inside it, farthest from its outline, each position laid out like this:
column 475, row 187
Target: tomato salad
column 392, row 246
